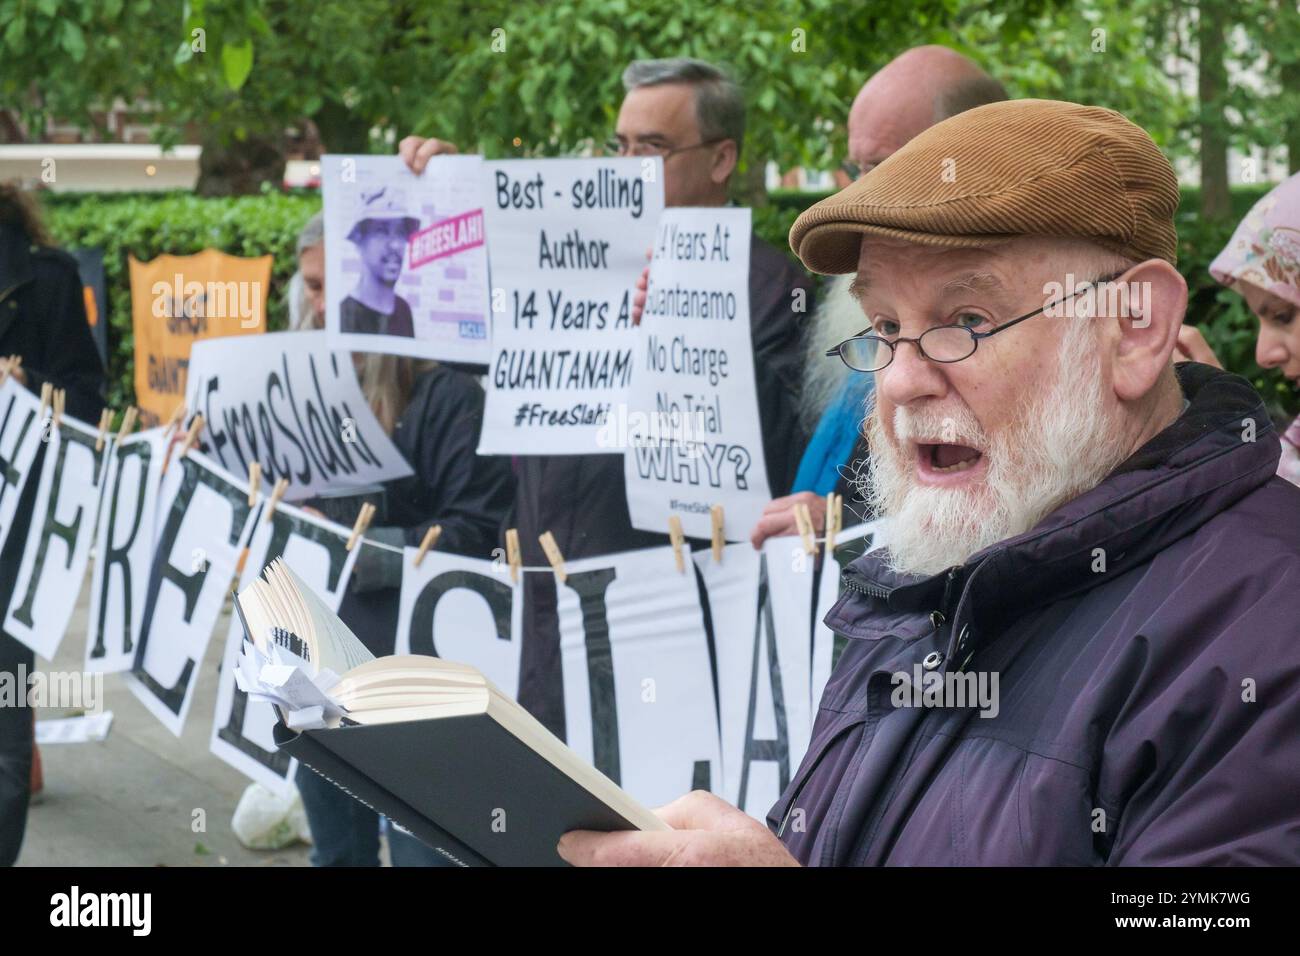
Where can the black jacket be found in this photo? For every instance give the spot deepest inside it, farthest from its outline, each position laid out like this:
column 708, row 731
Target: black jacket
column 582, row 499
column 43, row 319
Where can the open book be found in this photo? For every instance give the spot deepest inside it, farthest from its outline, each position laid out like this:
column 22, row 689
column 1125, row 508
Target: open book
column 431, row 744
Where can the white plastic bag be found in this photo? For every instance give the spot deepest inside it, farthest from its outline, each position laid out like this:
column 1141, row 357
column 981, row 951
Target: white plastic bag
column 266, row 821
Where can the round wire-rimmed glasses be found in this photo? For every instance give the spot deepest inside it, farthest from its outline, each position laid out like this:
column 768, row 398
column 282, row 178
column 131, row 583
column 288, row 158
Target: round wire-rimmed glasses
column 943, row 343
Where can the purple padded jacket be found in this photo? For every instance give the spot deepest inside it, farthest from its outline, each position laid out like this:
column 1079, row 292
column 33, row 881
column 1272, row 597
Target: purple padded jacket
column 1146, row 641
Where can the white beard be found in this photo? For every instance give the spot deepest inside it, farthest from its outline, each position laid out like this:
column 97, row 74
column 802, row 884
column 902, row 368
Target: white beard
column 1063, row 446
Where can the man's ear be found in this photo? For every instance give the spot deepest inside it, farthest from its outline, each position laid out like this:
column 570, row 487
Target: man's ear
column 725, row 158
column 1150, row 307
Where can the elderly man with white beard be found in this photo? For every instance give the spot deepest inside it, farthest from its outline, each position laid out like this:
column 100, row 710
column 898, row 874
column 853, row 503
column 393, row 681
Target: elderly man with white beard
column 912, row 92
column 1092, row 531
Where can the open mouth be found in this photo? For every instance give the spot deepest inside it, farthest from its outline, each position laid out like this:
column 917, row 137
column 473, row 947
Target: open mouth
column 947, row 459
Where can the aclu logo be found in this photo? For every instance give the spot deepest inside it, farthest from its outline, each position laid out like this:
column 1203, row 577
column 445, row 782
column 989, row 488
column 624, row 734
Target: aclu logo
column 103, row 909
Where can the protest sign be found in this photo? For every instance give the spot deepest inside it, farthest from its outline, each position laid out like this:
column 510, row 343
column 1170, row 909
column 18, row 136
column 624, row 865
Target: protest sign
column 124, row 545
column 53, row 564
column 406, row 264
column 691, row 427
column 21, row 432
column 463, row 610
column 760, row 604
column 177, row 301
column 638, row 687
column 568, row 242
column 318, row 553
column 285, row 400
column 203, row 521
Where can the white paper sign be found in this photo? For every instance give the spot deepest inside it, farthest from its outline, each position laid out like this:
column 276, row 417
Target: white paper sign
column 761, row 606
column 638, row 688
column 406, row 257
column 285, row 400
column 463, row 610
column 692, row 430
column 317, row 551
column 53, row 564
column 203, row 524
column 21, row 433
column 124, row 545
column 569, row 241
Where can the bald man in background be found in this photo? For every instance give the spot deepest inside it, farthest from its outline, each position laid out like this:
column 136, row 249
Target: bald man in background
column 911, row 93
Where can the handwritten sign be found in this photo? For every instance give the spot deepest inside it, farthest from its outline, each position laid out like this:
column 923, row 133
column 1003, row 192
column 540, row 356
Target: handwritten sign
column 286, row 401
column 568, row 242
column 177, row 301
column 692, row 430
column 406, row 257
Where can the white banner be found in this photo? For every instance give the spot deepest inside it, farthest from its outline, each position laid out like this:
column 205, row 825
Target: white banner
column 569, row 241
column 761, row 608
column 463, row 610
column 124, row 547
column 21, row 434
column 406, row 257
column 53, row 565
column 317, row 552
column 638, row 686
column 285, row 400
column 691, row 429
column 203, row 522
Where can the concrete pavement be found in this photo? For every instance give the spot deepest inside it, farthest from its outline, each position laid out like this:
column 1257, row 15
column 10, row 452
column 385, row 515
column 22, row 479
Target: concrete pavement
column 130, row 799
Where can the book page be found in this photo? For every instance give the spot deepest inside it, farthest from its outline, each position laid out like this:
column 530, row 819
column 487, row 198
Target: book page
column 334, row 645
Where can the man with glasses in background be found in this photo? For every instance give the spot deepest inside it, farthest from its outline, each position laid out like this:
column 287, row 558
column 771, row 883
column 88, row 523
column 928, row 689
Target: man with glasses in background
column 693, row 115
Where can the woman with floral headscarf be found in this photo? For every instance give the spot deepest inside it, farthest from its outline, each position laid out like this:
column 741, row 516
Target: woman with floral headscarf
column 1262, row 262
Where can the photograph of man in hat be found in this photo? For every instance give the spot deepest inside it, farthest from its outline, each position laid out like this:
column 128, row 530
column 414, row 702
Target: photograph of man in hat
column 380, row 233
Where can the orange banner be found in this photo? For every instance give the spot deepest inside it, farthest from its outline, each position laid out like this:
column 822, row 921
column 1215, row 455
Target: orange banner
column 176, row 300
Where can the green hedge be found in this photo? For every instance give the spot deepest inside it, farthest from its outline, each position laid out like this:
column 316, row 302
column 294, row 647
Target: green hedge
column 148, row 224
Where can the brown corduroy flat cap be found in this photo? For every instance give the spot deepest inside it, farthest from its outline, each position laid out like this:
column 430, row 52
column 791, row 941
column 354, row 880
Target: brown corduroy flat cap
column 1017, row 168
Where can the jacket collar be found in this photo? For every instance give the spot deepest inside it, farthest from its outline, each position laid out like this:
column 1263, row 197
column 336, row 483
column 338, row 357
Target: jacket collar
column 1185, row 475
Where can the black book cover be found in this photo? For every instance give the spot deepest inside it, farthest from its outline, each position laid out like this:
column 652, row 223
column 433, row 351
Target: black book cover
column 464, row 785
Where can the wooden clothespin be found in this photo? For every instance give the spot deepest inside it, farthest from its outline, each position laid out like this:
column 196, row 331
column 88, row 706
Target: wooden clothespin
column 366, row 513
column 428, row 541
column 128, row 423
column 47, row 390
column 178, row 416
column 60, row 402
column 254, row 481
column 834, row 521
column 553, row 555
column 678, row 538
column 719, row 526
column 192, row 436
column 276, row 494
column 804, row 520
column 105, row 417
column 513, row 556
